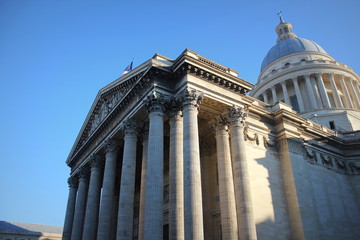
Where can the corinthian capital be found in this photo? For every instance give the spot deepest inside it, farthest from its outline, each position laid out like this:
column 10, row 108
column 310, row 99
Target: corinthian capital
column 73, row 182
column 192, row 98
column 84, row 173
column 238, row 115
column 130, row 127
column 174, row 108
column 111, row 145
column 95, row 161
column 155, row 102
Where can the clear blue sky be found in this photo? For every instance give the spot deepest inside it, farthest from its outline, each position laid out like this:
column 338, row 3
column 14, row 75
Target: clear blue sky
column 56, row 55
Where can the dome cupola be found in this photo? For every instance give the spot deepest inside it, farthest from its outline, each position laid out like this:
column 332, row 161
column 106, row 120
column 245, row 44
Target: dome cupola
column 300, row 73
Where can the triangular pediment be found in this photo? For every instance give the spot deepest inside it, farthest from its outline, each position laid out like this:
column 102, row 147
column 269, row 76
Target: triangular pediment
column 118, row 94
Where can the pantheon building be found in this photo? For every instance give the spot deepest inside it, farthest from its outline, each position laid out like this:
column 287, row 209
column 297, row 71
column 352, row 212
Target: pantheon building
column 185, row 149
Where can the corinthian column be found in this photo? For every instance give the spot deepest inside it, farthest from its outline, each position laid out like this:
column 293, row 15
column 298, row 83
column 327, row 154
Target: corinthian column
column 93, row 200
column 143, row 183
column 244, row 208
column 80, row 207
column 335, row 91
column 127, row 184
column 153, row 209
column 192, row 170
column 176, row 182
column 356, row 96
column 298, row 94
column 70, row 209
column 274, row 95
column 323, row 92
column 106, row 209
column 310, row 91
column 226, row 184
column 285, row 93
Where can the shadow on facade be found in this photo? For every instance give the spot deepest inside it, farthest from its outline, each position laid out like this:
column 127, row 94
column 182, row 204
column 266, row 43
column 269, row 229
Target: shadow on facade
column 277, row 228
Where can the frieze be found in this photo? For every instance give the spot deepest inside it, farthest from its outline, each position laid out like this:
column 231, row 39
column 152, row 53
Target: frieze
column 248, row 137
column 354, row 167
column 268, row 143
column 331, row 162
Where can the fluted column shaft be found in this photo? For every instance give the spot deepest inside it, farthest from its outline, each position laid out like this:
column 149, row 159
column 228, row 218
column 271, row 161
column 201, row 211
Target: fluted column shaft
column 310, row 91
column 153, row 210
column 335, row 91
column 127, row 184
column 274, row 95
column 346, row 92
column 285, row 93
column 176, row 181
column 143, row 184
column 105, row 217
column 93, row 200
column 244, row 208
column 80, row 206
column 323, row 92
column 226, row 184
column 298, row 94
column 192, row 169
column 70, row 208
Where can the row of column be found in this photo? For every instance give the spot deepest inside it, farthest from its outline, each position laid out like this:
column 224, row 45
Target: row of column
column 89, row 215
column 318, row 94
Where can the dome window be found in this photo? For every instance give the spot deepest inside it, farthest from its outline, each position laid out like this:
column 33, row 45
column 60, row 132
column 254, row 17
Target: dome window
column 303, row 60
column 273, row 70
column 287, row 64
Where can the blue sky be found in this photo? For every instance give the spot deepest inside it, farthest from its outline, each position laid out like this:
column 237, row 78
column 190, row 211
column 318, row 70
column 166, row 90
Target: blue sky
column 56, row 55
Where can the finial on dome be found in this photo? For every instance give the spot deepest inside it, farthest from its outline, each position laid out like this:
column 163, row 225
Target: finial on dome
column 279, row 14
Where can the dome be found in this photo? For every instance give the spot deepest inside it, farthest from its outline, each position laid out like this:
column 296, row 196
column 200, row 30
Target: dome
column 289, row 46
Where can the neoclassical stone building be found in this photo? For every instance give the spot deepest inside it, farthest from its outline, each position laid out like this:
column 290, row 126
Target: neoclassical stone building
column 185, row 149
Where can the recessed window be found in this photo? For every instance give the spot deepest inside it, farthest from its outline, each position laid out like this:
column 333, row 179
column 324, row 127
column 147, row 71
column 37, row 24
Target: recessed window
column 273, row 71
column 303, row 60
column 332, row 125
column 287, row 64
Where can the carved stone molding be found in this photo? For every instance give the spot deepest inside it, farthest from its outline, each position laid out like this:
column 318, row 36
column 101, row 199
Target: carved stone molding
column 354, row 167
column 340, row 164
column 248, row 137
column 326, row 160
column 237, row 115
column 310, row 155
column 268, row 143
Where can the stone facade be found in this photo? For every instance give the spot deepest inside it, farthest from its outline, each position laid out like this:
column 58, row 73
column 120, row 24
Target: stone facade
column 187, row 154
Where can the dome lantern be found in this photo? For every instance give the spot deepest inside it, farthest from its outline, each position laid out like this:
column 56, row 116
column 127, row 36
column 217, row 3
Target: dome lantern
column 284, row 29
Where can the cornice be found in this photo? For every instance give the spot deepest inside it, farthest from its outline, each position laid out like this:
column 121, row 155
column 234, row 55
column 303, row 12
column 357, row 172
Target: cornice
column 229, row 82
